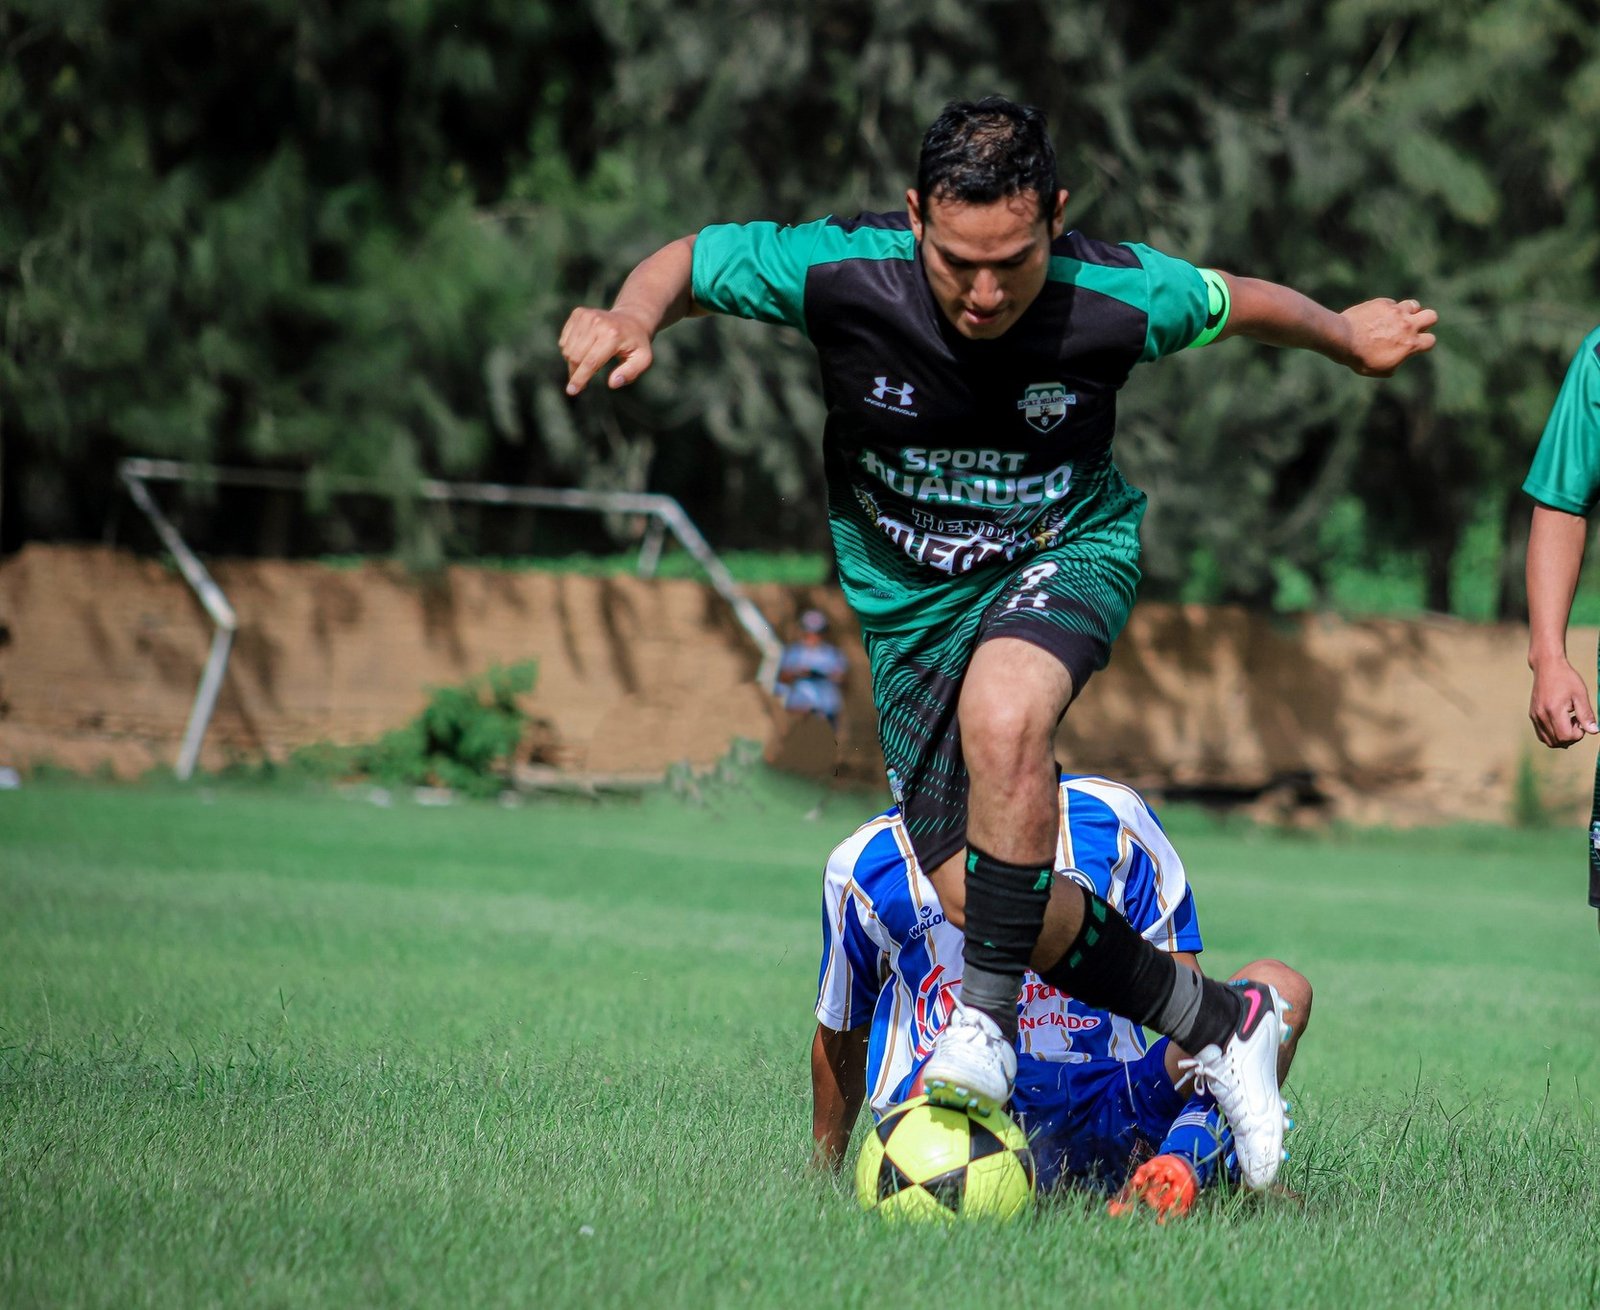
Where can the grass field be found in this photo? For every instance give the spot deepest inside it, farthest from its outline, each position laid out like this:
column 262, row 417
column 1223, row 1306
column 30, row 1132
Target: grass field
column 271, row 1048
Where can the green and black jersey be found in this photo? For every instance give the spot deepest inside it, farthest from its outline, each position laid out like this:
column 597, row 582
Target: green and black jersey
column 948, row 460
column 1566, row 468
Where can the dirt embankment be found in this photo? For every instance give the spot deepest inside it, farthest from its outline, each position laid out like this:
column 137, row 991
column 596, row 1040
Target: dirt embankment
column 106, row 651
column 1378, row 720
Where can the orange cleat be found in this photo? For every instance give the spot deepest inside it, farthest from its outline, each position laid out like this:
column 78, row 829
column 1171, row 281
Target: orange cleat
column 1165, row 1183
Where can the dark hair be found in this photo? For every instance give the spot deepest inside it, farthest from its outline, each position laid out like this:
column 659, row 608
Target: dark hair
column 982, row 151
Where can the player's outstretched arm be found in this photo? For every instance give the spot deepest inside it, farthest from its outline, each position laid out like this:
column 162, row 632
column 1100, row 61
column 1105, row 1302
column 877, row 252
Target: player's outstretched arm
column 1560, row 709
column 1373, row 338
column 838, row 1086
column 656, row 295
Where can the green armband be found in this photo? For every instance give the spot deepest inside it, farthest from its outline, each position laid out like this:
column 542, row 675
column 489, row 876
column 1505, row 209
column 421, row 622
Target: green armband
column 1218, row 305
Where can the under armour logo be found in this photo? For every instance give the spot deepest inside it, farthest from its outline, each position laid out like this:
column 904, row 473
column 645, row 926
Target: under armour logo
column 883, row 391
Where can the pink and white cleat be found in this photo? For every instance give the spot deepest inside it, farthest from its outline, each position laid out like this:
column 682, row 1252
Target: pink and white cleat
column 1243, row 1075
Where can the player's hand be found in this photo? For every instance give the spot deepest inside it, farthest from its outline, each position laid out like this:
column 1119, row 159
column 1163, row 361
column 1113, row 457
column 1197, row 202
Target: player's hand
column 1560, row 710
column 1385, row 333
column 593, row 337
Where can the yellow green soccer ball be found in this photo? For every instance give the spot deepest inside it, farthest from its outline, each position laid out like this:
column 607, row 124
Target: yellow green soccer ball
column 926, row 1161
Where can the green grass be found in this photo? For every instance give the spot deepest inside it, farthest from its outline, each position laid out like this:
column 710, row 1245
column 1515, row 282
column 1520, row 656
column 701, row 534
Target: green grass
column 791, row 568
column 267, row 1048
column 1361, row 579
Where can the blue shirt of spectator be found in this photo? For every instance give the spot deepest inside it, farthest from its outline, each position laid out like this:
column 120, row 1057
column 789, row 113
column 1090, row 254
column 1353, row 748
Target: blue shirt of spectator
column 811, row 671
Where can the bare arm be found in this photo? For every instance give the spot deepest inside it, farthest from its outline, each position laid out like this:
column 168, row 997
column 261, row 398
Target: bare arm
column 1560, row 709
column 1374, row 338
column 838, row 1087
column 655, row 296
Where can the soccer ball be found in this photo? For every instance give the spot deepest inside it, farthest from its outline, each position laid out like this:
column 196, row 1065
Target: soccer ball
column 926, row 1161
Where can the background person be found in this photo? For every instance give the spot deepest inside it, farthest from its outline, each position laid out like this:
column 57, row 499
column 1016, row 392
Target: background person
column 812, row 671
column 1565, row 481
column 1090, row 1094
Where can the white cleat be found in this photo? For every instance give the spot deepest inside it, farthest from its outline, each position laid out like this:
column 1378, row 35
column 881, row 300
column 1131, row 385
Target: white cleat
column 973, row 1066
column 1243, row 1076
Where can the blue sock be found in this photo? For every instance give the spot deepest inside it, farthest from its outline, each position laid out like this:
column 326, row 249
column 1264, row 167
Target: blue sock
column 1200, row 1137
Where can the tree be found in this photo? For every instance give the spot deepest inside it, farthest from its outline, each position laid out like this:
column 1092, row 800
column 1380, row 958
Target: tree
column 252, row 233
column 344, row 239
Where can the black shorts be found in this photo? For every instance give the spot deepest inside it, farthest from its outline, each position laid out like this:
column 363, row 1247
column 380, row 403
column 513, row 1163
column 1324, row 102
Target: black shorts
column 1071, row 602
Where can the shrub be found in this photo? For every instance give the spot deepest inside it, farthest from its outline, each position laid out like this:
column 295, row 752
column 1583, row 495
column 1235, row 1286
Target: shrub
column 465, row 738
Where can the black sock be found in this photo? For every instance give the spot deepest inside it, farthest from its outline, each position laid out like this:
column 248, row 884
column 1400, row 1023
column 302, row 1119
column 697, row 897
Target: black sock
column 1111, row 967
column 1005, row 912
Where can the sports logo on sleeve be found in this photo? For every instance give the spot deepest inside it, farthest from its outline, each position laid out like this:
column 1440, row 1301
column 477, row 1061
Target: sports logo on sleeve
column 1044, row 405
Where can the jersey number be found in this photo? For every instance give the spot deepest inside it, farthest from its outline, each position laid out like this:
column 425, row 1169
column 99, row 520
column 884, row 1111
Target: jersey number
column 1035, row 575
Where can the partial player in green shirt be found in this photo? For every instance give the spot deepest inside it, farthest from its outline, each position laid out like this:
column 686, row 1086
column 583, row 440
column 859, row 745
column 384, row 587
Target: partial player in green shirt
column 1565, row 481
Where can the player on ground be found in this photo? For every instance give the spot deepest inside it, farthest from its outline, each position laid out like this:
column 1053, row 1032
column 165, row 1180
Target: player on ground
column 971, row 351
column 1092, row 1098
column 1565, row 480
column 1088, row 1092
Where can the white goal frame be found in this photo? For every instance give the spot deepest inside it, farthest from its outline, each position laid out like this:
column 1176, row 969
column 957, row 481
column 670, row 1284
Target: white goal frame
column 663, row 513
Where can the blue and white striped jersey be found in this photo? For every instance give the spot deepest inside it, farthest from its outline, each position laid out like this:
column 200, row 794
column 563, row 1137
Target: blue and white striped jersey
column 890, row 959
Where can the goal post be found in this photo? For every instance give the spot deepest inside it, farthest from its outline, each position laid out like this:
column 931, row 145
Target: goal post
column 663, row 515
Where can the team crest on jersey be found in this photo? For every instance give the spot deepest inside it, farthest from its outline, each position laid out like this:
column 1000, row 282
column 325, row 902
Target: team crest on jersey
column 1044, row 404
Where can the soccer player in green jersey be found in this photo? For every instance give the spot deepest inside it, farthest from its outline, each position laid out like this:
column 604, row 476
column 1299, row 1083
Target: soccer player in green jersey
column 971, row 351
column 1565, row 481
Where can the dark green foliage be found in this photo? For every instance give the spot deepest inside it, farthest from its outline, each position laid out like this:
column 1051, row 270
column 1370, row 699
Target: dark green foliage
column 1528, row 806
column 464, row 739
column 344, row 239
column 470, row 731
column 252, row 234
